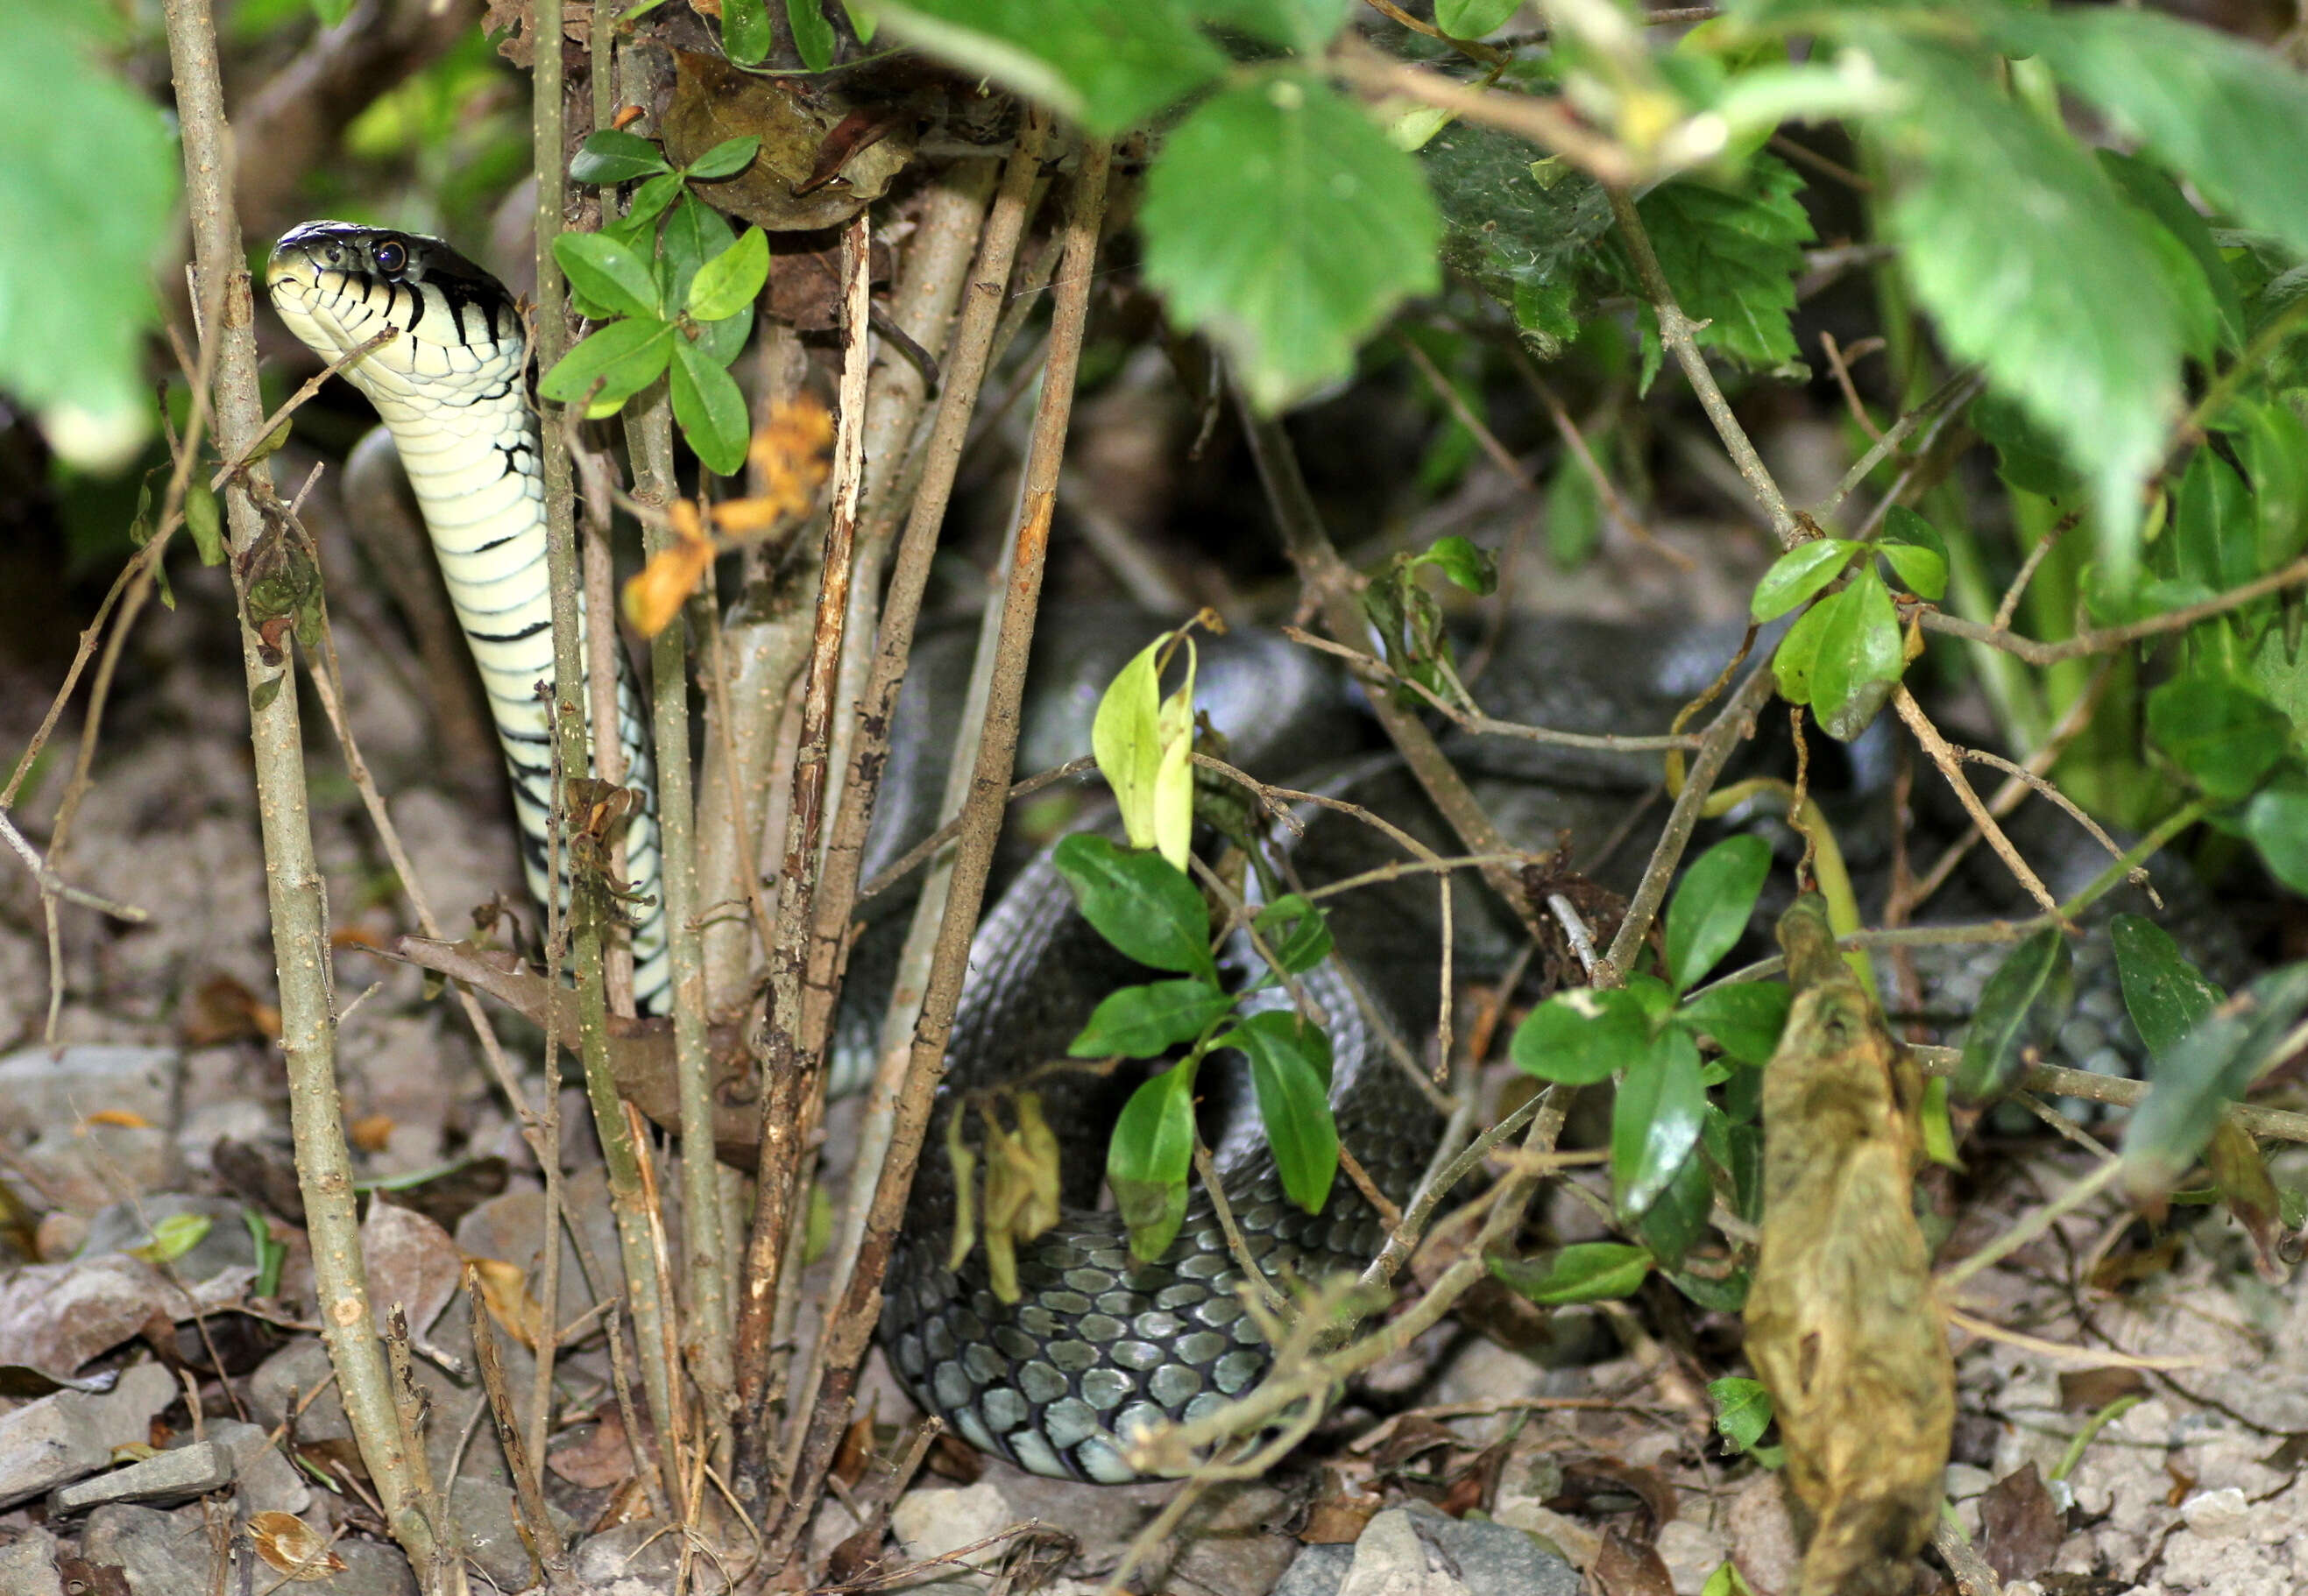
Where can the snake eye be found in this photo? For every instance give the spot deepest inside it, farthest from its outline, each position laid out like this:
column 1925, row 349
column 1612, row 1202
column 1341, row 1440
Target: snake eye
column 392, row 258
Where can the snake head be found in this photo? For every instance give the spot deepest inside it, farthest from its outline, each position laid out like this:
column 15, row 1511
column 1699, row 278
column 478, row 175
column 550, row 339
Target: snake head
column 339, row 285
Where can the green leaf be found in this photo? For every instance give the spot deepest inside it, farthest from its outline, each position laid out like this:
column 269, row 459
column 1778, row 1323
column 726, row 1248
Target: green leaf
column 1743, row 1410
column 173, row 1237
column 1279, row 220
column 1145, row 1022
column 729, row 156
column 1140, row 902
column 2215, row 534
column 2276, row 454
column 1472, row 19
column 1573, row 515
column 1797, row 656
column 2024, row 1003
column 1297, row 930
column 1732, row 256
column 201, row 520
column 624, row 356
column 1745, row 1018
column 1915, row 551
column 1305, row 26
column 1797, row 574
column 2213, row 1066
column 709, row 408
column 2277, row 821
column 2229, row 116
column 2019, row 247
column 695, row 233
column 813, row 35
column 1470, row 569
column 89, row 173
column 1710, row 910
column 732, row 279
column 1148, row 1157
column 1142, row 742
column 1290, row 1066
column 609, row 274
column 1655, row 1122
column 746, row 36
column 864, row 20
column 1726, row 1580
column 1677, row 1218
column 648, row 201
column 610, row 156
column 1108, row 65
column 1860, row 656
column 2157, row 194
column 2168, row 996
column 2223, row 734
column 1582, row 1035
column 1584, row 1272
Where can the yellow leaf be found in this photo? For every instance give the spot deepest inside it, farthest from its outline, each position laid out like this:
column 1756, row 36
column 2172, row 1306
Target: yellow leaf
column 1126, row 739
column 654, row 597
column 1173, row 777
column 293, row 1547
column 123, row 1118
column 504, row 1290
column 790, row 454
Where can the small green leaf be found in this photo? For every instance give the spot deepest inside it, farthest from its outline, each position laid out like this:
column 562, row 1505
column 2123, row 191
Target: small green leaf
column 2213, row 1066
column 624, row 358
column 1743, row 1410
column 1915, row 549
column 1582, row 1035
column 729, row 156
column 1745, row 1018
column 201, row 519
column 1710, row 910
column 746, row 36
column 1297, row 932
column 1290, row 1066
column 1655, row 1122
column 862, row 19
column 612, row 157
column 2215, row 535
column 1145, row 1022
column 330, row 12
column 2277, row 821
column 1797, row 574
column 2024, row 1002
column 1140, row 902
column 695, row 233
column 1279, row 221
column 2168, row 996
column 1726, row 1580
column 173, row 1237
column 2162, row 199
column 1148, row 1157
column 1677, row 1218
column 732, row 279
column 1472, row 19
column 1584, row 1272
column 608, row 273
column 1797, row 657
column 813, row 35
column 709, row 408
column 1305, row 26
column 1473, row 570
column 1731, row 252
column 649, row 201
column 2224, row 735
column 1860, row 656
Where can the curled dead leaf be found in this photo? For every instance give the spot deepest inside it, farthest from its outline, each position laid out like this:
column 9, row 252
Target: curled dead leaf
column 652, row 599
column 505, row 1290
column 1841, row 1322
column 371, row 1133
column 291, row 1546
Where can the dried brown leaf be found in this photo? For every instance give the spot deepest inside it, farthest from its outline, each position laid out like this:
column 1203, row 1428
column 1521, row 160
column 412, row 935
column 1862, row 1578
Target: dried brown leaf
column 2020, row 1528
column 291, row 1546
column 2089, row 1390
column 1842, row 1321
column 1623, row 1568
column 602, row 1458
column 504, row 1290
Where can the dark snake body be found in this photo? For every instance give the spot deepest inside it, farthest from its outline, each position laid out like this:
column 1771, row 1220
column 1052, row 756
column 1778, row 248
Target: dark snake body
column 1100, row 1344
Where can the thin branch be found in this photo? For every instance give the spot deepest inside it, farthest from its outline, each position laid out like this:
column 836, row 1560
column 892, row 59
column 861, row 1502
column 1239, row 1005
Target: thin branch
column 1950, row 396
column 1549, row 123
column 296, row 401
column 54, row 885
column 2109, row 637
column 1950, row 764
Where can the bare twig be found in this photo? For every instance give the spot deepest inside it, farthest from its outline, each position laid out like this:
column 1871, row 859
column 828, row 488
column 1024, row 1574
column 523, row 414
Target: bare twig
column 2110, row 637
column 56, row 886
column 1547, row 123
column 1950, row 763
column 1949, row 396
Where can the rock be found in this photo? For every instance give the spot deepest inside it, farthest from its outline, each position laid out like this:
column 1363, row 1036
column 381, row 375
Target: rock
column 1223, row 1542
column 269, row 1481
column 1317, row 1571
column 372, row 1568
column 930, row 1523
column 227, row 1245
column 301, row 1366
column 62, row 1438
column 2217, row 1515
column 28, row 1566
column 1763, row 1536
column 174, row 1476
column 644, row 1553
column 163, row 1553
column 1693, row 1553
column 87, row 1167
column 508, row 1228
column 1419, row 1551
column 486, row 1528
column 40, row 1090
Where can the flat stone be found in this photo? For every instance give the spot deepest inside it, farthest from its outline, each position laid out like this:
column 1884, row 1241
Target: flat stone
column 65, row 1437
column 56, row 1317
column 930, row 1523
column 162, row 1554
column 28, row 1566
column 41, row 1088
column 268, row 1481
column 226, row 1244
column 1316, row 1571
column 87, row 1167
column 486, row 1528
column 1419, row 1551
column 174, row 1476
column 1392, row 1559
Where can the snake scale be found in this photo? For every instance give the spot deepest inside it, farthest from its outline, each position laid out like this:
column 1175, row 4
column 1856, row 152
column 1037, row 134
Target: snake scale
column 1099, row 1342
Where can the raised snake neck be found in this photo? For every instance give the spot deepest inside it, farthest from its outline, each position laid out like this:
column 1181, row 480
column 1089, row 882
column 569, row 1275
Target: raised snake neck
column 452, row 390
